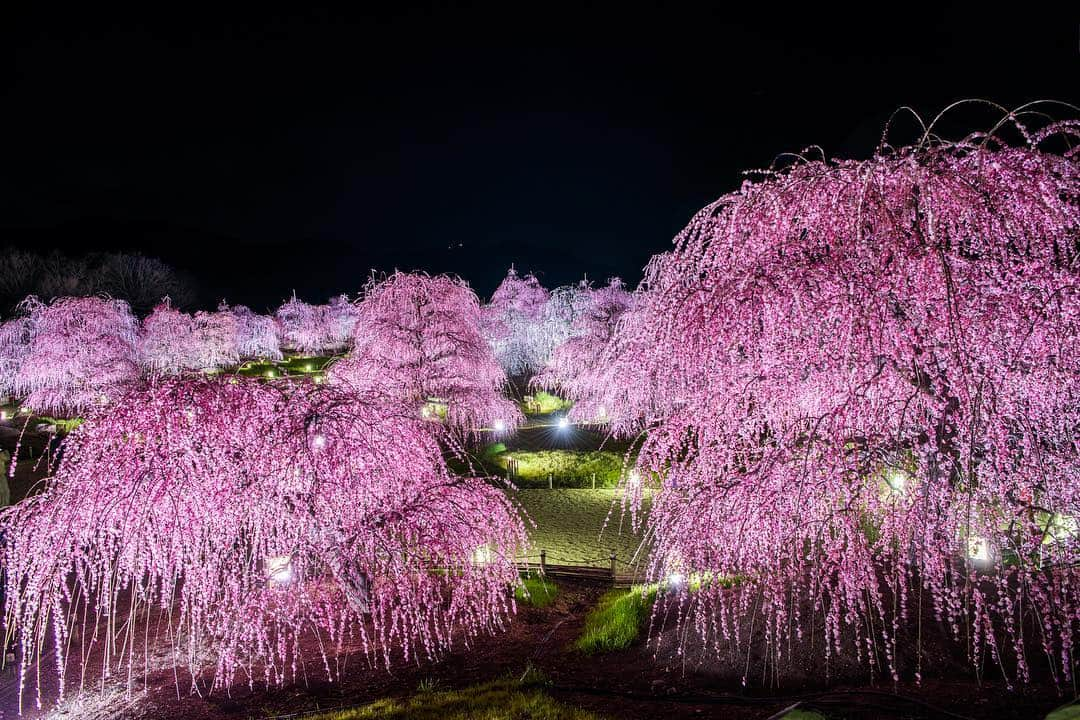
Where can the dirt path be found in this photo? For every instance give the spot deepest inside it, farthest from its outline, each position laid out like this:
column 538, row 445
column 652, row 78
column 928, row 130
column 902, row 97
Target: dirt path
column 628, row 684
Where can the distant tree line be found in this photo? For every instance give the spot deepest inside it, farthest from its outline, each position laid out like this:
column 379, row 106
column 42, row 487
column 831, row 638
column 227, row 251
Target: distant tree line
column 139, row 280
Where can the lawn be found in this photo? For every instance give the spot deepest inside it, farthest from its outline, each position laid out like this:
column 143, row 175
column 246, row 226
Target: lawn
column 489, row 701
column 569, row 524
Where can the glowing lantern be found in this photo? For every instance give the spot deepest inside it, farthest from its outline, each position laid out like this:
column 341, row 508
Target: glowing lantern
column 896, row 480
column 979, row 549
column 279, row 570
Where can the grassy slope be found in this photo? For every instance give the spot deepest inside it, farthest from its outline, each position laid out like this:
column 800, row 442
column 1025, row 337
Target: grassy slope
column 617, row 620
column 569, row 524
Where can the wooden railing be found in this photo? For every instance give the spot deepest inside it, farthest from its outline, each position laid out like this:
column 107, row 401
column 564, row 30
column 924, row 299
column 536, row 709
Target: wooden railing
column 608, row 574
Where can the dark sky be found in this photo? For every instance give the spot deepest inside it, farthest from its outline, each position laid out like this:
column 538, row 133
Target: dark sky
column 267, row 153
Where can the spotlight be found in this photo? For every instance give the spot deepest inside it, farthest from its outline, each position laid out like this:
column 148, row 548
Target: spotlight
column 676, row 579
column 500, row 426
column 563, row 423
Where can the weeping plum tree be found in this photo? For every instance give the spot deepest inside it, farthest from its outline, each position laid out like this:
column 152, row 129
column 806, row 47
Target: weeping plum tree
column 262, row 525
column 256, row 335
column 863, row 399
column 513, row 322
column 166, row 341
column 420, row 342
column 215, row 335
column 14, row 344
column 574, row 363
column 79, row 351
column 302, row 327
column 341, row 318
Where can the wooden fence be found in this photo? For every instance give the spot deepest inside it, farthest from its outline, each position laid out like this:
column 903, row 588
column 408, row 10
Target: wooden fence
column 616, row 573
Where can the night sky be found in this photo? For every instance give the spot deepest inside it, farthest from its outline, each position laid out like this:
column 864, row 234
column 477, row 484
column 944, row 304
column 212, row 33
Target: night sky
column 269, row 153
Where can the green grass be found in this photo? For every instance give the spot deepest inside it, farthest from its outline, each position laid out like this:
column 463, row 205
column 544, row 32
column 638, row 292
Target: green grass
column 569, row 524
column 536, row 592
column 544, row 403
column 1071, row 711
column 499, row 700
column 568, row 468
column 617, row 621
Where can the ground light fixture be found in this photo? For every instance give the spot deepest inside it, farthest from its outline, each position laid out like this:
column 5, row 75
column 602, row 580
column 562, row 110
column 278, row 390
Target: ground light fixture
column 500, row 426
column 279, row 570
column 676, row 579
column 896, row 480
column 978, row 550
column 563, row 423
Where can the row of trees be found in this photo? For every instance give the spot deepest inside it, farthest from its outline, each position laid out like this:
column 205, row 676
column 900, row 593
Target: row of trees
column 526, row 324
column 66, row 355
column 276, row 520
column 138, row 280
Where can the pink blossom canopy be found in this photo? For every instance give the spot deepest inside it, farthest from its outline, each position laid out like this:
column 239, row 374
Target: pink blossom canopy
column 862, row 389
column 419, row 341
column 80, row 350
column 270, row 520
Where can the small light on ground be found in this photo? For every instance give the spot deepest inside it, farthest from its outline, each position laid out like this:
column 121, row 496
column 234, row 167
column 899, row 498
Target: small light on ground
column 563, row 423
column 500, row 426
column 270, row 374
column 279, row 570
column 979, row 549
column 676, row 579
